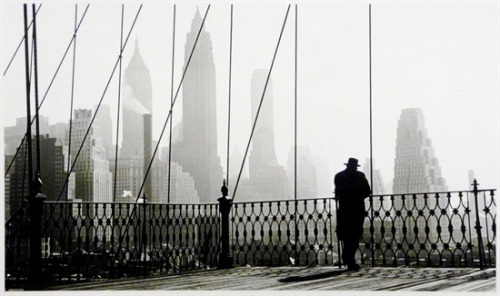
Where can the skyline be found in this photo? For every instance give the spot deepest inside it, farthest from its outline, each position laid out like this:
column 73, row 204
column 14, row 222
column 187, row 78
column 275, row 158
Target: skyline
column 448, row 77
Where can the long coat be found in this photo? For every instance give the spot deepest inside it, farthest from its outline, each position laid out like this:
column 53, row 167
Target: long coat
column 351, row 188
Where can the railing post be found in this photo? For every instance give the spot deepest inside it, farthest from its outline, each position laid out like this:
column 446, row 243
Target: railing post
column 35, row 280
column 144, row 237
column 225, row 203
column 478, row 226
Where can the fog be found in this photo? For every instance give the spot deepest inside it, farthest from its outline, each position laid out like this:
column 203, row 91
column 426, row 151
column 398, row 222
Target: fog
column 441, row 57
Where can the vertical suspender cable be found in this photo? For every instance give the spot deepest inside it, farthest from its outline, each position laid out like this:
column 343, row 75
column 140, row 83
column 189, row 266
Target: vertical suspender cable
column 229, row 100
column 72, row 98
column 35, row 61
column 171, row 109
column 295, row 135
column 119, row 104
column 28, row 101
column 371, row 136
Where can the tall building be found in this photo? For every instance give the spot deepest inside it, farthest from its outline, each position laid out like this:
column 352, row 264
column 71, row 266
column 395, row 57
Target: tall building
column 197, row 151
column 53, row 172
column 306, row 172
column 416, row 170
column 268, row 178
column 14, row 134
column 137, row 100
column 92, row 175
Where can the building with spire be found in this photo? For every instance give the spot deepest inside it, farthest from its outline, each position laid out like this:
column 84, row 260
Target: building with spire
column 197, row 151
column 416, row 170
column 267, row 178
column 137, row 100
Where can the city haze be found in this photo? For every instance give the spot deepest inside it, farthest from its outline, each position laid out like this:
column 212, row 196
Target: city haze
column 440, row 57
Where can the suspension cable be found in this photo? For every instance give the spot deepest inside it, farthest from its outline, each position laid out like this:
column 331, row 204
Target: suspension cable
column 72, row 99
column 19, row 45
column 295, row 111
column 35, row 59
column 100, row 102
column 371, row 137
column 171, row 109
column 48, row 88
column 119, row 104
column 28, row 100
column 260, row 104
column 229, row 100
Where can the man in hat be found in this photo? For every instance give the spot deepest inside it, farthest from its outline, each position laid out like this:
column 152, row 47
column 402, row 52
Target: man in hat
column 351, row 188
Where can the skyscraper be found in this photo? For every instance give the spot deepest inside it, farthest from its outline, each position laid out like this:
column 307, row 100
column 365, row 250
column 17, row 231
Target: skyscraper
column 267, row 177
column 53, row 172
column 197, row 152
column 92, row 175
column 137, row 100
column 416, row 170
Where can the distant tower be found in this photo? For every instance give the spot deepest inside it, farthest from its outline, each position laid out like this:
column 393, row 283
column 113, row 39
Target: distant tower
column 307, row 185
column 137, row 100
column 416, row 170
column 267, row 177
column 197, row 151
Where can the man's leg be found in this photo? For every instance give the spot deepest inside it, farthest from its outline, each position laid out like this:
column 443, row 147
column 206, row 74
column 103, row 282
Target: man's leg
column 350, row 248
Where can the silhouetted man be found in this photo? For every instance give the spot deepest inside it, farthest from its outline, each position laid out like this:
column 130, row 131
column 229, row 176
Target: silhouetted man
column 351, row 188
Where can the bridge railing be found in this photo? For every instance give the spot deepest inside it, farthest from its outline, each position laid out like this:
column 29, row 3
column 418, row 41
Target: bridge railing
column 87, row 240
column 90, row 240
column 454, row 228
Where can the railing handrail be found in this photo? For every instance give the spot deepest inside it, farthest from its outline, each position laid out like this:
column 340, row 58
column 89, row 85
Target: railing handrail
column 128, row 203
column 268, row 201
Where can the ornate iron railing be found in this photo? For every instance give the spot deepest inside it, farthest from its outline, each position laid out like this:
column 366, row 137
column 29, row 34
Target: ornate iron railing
column 431, row 229
column 284, row 232
column 423, row 229
column 83, row 240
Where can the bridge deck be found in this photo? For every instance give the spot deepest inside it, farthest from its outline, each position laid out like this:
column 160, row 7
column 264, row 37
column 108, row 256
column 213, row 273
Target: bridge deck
column 314, row 278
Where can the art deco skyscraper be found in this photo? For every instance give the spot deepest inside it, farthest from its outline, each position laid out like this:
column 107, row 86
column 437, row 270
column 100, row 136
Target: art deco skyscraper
column 137, row 100
column 416, row 170
column 197, row 152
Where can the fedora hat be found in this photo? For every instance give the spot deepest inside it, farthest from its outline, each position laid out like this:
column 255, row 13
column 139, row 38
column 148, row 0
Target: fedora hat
column 352, row 162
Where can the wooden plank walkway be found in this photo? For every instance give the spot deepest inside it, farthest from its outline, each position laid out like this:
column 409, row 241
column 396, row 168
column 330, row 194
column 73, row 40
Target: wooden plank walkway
column 314, row 278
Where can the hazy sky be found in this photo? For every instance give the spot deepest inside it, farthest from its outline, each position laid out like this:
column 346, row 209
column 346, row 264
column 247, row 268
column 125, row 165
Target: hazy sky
column 442, row 57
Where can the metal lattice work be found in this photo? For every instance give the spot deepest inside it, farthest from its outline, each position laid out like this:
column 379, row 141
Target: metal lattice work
column 431, row 229
column 17, row 246
column 286, row 232
column 105, row 240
